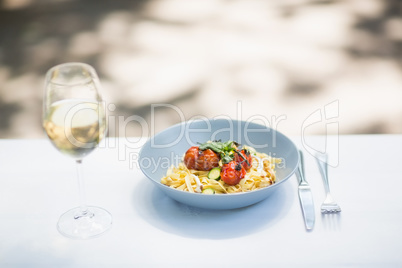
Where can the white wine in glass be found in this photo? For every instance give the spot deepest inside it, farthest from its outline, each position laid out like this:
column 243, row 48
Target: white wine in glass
column 74, row 119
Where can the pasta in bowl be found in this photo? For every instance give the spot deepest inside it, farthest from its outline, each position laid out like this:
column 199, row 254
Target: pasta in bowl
column 271, row 159
column 227, row 170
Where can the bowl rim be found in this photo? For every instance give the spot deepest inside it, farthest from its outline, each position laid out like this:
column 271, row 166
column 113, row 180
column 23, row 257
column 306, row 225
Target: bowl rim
column 173, row 190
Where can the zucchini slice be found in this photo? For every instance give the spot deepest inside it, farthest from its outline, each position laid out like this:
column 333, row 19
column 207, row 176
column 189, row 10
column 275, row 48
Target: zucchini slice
column 214, row 174
column 208, row 191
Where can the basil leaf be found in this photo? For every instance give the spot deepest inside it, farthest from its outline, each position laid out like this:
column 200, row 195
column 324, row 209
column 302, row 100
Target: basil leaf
column 214, row 146
column 227, row 146
column 226, row 159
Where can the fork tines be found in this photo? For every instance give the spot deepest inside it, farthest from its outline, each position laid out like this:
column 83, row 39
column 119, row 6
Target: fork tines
column 325, row 208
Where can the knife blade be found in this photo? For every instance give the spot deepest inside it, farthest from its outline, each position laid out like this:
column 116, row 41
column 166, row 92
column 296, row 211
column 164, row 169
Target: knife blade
column 305, row 196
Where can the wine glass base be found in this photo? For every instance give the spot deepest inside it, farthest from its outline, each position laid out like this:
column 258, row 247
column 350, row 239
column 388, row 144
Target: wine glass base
column 74, row 224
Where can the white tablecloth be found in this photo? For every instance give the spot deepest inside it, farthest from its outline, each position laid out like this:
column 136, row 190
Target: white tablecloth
column 38, row 184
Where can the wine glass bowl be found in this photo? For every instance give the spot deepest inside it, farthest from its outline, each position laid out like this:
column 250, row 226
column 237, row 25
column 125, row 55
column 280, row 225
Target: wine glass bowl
column 74, row 119
column 75, row 126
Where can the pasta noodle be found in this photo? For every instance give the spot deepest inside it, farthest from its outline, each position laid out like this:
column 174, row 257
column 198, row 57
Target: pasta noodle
column 260, row 175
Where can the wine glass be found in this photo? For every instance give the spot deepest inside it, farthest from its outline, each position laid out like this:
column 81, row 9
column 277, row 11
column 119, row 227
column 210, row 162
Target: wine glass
column 74, row 119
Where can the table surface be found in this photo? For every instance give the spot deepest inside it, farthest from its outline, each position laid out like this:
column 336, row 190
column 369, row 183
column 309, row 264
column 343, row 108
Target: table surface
column 38, row 184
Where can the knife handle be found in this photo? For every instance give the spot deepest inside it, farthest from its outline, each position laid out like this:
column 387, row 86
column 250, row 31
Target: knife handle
column 301, row 167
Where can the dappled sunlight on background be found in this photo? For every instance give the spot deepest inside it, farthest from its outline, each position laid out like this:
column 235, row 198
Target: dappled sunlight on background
column 239, row 58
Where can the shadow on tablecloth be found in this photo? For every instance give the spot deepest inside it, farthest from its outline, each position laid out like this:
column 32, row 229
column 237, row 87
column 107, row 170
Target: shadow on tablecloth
column 173, row 217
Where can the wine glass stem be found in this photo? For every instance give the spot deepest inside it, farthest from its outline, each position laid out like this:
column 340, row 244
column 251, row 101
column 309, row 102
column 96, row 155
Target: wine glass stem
column 81, row 191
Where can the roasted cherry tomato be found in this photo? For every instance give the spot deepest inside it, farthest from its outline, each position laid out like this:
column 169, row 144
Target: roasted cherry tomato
column 232, row 173
column 246, row 155
column 207, row 160
column 201, row 160
column 191, row 157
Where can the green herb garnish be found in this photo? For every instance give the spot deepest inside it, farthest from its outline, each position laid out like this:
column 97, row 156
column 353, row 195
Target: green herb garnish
column 226, row 150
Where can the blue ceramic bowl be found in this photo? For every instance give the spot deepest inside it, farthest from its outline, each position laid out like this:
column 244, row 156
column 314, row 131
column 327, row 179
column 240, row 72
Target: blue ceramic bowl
column 168, row 147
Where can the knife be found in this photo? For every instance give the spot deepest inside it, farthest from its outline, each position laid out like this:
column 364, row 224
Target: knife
column 305, row 196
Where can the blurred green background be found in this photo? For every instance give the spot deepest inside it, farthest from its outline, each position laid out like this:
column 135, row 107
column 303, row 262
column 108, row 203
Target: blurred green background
column 285, row 61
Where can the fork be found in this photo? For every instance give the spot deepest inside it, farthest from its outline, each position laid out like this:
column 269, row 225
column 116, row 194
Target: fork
column 329, row 205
